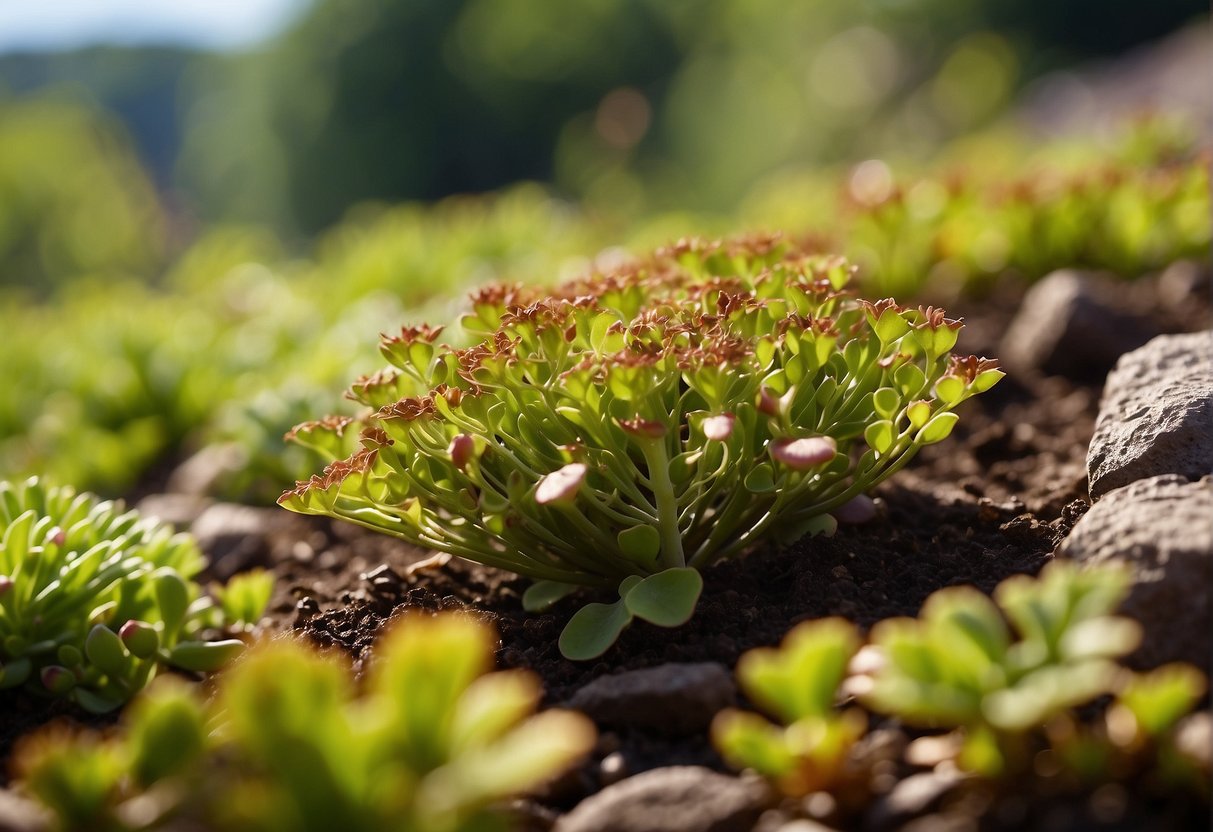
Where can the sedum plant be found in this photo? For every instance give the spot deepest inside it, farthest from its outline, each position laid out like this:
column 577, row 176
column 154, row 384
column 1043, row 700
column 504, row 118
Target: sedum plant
column 95, row 600
column 433, row 745
column 1014, row 683
column 628, row 430
column 959, row 665
column 799, row 684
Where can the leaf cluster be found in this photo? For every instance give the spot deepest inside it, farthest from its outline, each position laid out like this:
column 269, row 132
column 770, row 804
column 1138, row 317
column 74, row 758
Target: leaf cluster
column 94, row 600
column 664, row 416
column 1011, row 679
column 430, row 746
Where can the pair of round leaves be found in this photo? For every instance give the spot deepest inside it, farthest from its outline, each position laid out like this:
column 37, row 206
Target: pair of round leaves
column 667, row 599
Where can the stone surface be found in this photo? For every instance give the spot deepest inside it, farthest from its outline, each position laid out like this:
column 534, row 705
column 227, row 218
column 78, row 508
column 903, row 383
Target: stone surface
column 913, row 796
column 1069, row 325
column 672, row 799
column 180, row 510
column 1156, row 415
column 1163, row 528
column 201, row 473
column 671, row 698
column 234, row 537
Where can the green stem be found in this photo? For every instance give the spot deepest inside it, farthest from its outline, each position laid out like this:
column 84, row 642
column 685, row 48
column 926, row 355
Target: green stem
column 658, row 463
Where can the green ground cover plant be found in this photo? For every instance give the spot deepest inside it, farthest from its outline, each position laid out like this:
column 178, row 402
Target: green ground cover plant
column 1127, row 209
column 433, row 744
column 95, row 600
column 1011, row 680
column 629, row 429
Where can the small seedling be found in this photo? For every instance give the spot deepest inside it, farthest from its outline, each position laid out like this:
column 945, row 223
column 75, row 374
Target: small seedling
column 798, row 684
column 958, row 664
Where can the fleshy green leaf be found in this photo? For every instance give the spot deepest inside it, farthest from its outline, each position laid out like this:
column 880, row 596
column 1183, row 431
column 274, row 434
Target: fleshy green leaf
column 593, row 629
column 666, row 599
column 542, row 595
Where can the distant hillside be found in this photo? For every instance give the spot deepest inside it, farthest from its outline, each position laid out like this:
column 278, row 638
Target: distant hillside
column 138, row 84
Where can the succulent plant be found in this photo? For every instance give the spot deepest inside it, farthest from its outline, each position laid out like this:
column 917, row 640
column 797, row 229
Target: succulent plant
column 799, row 684
column 94, row 599
column 1044, row 697
column 628, row 430
column 960, row 665
column 433, row 744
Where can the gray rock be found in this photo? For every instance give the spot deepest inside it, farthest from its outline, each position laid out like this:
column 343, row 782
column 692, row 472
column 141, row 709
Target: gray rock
column 673, row 799
column 235, row 537
column 180, row 510
column 201, row 473
column 913, row 796
column 1163, row 528
column 1069, row 325
column 672, row 698
column 1156, row 415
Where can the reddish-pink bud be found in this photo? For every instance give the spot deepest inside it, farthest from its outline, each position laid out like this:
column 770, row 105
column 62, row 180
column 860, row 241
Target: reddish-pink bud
column 768, row 402
column 561, row 485
column 805, row 453
column 861, row 509
column 57, row 536
column 719, row 427
column 646, row 428
column 58, row 680
column 6, row 583
column 140, row 638
column 461, row 450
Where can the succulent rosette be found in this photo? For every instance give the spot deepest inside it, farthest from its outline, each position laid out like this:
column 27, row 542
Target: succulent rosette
column 627, row 430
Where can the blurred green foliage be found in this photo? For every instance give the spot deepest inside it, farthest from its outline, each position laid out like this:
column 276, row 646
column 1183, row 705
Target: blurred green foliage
column 73, row 198
column 434, row 743
column 113, row 381
column 634, row 106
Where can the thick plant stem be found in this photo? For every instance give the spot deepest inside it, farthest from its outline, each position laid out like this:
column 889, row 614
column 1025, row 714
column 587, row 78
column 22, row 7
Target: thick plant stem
column 658, row 463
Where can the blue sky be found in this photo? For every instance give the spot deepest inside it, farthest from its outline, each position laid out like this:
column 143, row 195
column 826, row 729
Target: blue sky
column 211, row 24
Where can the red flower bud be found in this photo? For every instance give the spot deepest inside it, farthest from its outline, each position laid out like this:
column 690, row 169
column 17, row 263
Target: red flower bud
column 140, row 638
column 803, row 454
column 461, row 449
column 719, row 427
column 561, row 485
column 768, row 402
column 859, row 510
column 643, row 427
column 58, row 680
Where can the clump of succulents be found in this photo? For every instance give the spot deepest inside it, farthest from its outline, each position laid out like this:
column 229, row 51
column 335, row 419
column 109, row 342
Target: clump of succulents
column 94, row 600
column 627, row 430
column 434, row 744
column 1012, row 681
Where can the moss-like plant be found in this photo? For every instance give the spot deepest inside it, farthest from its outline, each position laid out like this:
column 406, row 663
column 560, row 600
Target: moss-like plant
column 628, row 430
column 94, row 599
column 432, row 745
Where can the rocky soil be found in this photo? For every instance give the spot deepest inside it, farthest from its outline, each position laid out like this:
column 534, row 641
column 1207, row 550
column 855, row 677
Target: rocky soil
column 1010, row 490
